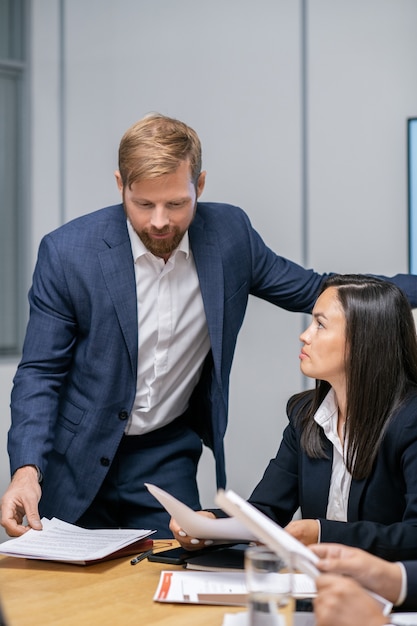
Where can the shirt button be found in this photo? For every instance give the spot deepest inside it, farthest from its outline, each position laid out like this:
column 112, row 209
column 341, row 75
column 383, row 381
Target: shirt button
column 105, row 461
column 123, row 415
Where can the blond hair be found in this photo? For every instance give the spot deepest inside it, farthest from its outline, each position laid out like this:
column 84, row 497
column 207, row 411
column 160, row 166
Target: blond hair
column 154, row 146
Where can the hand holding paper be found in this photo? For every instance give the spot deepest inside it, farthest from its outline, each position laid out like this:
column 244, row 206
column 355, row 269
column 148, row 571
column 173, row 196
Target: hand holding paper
column 195, row 525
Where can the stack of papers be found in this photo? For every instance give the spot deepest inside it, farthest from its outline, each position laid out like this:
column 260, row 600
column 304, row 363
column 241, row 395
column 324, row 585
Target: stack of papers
column 60, row 541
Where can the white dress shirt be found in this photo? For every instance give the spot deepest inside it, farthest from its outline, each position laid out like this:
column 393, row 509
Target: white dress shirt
column 173, row 335
column 326, row 417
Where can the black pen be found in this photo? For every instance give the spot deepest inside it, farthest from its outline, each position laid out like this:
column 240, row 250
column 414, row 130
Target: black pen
column 141, row 557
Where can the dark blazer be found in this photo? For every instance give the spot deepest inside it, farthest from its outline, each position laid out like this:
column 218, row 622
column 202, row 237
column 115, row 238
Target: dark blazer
column 75, row 385
column 410, row 602
column 382, row 509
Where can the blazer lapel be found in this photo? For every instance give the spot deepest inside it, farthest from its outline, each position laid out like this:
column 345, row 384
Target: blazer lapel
column 119, row 275
column 316, row 492
column 207, row 259
column 356, row 490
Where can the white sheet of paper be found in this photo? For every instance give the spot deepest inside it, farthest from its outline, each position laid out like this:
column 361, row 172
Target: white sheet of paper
column 242, row 619
column 227, row 588
column 60, row 541
column 195, row 525
column 404, row 619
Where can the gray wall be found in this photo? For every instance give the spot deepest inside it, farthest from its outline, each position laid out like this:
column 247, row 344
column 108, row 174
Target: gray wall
column 301, row 108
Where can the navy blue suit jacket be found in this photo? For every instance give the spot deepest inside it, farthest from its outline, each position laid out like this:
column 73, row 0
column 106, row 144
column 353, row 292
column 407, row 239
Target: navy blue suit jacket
column 410, row 602
column 382, row 509
column 75, row 385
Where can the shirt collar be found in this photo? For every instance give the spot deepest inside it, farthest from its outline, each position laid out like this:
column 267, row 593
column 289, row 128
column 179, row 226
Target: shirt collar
column 326, row 414
column 139, row 249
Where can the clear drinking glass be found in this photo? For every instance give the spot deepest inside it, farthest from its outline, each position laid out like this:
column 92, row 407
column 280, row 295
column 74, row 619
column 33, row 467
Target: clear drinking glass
column 269, row 584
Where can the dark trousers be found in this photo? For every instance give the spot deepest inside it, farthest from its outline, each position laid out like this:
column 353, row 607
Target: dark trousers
column 167, row 458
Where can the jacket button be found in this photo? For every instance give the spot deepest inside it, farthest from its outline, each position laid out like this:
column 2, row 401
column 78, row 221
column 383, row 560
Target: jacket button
column 123, row 415
column 105, row 461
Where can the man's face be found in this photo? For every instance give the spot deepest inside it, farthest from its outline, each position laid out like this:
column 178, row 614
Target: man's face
column 161, row 209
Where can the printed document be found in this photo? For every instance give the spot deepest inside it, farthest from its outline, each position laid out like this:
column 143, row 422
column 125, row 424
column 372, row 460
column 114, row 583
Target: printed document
column 60, row 541
column 217, row 587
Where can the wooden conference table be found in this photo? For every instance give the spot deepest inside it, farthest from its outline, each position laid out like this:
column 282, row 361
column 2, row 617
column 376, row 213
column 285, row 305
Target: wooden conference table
column 42, row 593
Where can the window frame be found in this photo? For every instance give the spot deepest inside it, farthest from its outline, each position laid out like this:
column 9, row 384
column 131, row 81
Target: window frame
column 412, row 193
column 14, row 65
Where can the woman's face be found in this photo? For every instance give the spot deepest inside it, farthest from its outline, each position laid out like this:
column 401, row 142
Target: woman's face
column 323, row 353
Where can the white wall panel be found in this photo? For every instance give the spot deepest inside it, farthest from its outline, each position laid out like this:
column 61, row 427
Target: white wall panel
column 362, row 67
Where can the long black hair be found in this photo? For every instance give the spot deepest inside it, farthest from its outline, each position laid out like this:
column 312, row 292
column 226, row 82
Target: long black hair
column 381, row 366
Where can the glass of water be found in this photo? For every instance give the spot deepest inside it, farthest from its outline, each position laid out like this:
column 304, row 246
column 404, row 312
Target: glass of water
column 270, row 587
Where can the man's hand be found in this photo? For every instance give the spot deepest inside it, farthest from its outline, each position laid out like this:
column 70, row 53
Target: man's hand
column 341, row 601
column 377, row 575
column 20, row 499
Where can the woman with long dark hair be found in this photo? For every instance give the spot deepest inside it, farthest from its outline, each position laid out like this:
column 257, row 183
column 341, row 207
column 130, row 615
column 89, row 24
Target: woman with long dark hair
column 348, row 458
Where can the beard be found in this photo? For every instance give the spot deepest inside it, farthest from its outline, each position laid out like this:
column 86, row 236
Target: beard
column 163, row 247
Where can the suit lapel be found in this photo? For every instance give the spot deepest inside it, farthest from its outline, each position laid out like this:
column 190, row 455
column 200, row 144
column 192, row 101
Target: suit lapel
column 316, row 492
column 119, row 275
column 207, row 259
column 356, row 490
